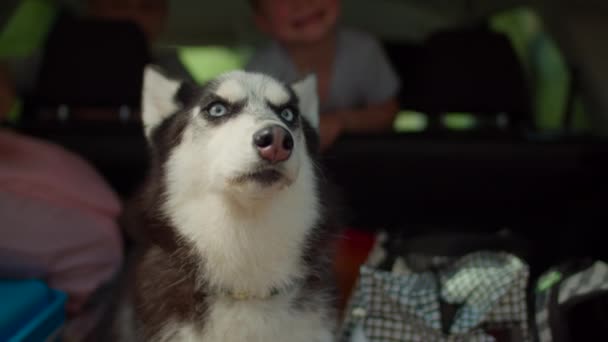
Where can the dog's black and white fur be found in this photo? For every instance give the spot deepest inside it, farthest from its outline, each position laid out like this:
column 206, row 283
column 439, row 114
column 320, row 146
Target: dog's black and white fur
column 238, row 240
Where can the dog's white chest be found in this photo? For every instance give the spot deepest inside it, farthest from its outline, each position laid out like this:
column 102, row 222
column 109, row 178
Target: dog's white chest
column 260, row 321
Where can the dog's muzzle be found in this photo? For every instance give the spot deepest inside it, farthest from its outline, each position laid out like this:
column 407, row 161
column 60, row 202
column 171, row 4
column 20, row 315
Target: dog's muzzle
column 274, row 143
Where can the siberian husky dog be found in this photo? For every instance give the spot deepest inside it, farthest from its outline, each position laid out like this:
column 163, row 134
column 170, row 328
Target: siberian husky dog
column 238, row 228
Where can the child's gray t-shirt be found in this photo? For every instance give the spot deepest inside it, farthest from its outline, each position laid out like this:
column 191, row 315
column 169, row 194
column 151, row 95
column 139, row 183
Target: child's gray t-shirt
column 362, row 74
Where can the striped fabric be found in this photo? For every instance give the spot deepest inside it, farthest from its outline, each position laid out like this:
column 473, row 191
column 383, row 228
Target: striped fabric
column 592, row 279
column 557, row 288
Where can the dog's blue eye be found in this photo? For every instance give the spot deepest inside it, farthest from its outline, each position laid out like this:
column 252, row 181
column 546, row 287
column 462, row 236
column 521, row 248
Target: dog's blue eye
column 217, row 109
column 287, row 114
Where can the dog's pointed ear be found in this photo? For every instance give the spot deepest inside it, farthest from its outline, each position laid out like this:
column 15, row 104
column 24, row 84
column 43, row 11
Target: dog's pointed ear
column 158, row 98
column 306, row 90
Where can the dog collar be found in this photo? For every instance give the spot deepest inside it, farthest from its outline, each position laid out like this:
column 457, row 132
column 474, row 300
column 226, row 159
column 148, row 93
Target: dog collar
column 245, row 295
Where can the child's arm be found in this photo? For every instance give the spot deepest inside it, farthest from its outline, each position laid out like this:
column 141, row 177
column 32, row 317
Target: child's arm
column 374, row 118
column 330, row 127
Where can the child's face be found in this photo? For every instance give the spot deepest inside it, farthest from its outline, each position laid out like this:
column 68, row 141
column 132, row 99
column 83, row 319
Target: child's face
column 297, row 21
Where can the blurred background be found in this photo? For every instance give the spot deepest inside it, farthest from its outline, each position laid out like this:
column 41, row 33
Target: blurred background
column 557, row 43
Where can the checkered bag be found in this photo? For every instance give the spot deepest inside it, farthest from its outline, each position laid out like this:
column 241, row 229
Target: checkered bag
column 492, row 287
column 486, row 291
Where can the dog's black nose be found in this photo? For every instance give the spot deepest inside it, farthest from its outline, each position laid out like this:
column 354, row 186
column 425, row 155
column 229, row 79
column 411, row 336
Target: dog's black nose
column 274, row 143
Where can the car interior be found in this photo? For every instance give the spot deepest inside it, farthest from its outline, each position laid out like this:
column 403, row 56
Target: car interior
column 500, row 141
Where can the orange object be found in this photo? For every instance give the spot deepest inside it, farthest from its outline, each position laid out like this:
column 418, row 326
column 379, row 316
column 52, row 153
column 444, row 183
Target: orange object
column 351, row 252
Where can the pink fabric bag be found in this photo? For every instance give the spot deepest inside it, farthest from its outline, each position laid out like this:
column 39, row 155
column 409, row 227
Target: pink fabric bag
column 57, row 218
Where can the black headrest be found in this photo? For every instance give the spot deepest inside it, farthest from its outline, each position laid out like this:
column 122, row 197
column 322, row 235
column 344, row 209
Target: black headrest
column 467, row 70
column 92, row 62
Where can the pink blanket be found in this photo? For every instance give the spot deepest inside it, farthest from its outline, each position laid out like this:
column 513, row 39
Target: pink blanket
column 57, row 218
column 47, row 172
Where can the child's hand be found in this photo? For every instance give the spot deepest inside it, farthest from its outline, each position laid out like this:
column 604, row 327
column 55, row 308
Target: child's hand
column 374, row 118
column 371, row 119
column 330, row 128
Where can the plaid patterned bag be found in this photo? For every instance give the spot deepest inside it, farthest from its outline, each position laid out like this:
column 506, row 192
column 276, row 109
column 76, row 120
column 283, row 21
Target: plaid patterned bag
column 469, row 298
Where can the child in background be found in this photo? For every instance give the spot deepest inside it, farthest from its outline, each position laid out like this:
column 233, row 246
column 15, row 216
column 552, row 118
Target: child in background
column 357, row 85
